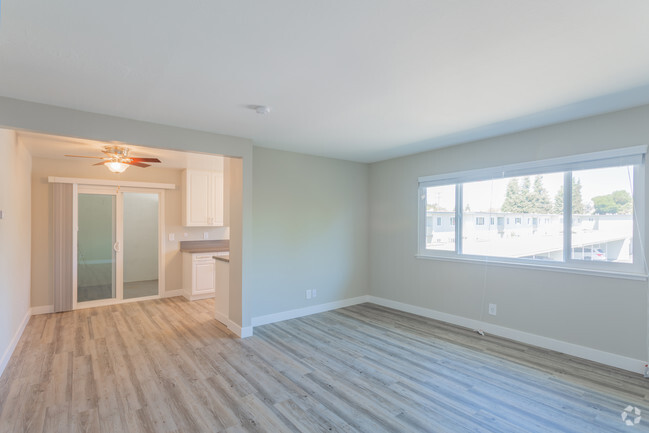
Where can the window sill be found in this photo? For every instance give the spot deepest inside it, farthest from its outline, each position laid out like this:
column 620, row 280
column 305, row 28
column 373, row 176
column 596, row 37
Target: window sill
column 564, row 269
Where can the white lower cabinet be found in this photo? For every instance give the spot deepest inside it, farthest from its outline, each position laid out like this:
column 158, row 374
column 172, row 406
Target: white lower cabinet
column 199, row 275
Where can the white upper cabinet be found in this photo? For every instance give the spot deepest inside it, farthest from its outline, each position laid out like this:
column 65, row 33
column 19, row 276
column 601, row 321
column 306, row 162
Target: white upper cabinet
column 202, row 198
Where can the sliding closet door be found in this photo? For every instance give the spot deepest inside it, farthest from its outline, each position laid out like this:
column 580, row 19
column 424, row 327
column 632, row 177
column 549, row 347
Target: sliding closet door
column 62, row 239
column 97, row 247
column 140, row 244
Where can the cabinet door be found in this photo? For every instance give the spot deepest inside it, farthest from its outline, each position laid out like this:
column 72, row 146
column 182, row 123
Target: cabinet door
column 216, row 199
column 197, row 193
column 203, row 277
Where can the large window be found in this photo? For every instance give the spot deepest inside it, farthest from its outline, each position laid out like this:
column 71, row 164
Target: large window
column 583, row 212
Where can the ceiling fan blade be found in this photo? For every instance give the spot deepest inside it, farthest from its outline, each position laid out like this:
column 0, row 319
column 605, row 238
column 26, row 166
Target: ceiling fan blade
column 101, row 163
column 145, row 160
column 83, row 156
column 138, row 164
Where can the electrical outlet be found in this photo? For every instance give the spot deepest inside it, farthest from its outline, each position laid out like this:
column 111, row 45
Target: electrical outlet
column 314, row 293
column 172, row 237
column 492, row 309
column 206, row 235
column 308, row 294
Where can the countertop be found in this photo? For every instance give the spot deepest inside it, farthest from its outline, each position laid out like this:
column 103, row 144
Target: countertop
column 222, row 258
column 204, row 246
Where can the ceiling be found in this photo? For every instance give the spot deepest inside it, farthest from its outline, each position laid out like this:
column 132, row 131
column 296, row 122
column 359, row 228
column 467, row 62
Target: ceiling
column 362, row 80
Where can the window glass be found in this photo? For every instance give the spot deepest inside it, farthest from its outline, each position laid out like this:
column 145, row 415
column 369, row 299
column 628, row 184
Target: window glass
column 602, row 214
column 440, row 207
column 525, row 199
column 516, row 213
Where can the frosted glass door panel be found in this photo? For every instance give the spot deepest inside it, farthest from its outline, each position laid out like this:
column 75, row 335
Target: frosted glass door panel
column 96, row 238
column 140, row 245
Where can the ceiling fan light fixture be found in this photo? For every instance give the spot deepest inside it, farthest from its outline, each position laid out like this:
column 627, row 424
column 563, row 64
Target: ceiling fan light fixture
column 116, row 166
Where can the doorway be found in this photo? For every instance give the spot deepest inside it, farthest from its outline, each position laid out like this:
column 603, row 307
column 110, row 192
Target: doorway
column 117, row 247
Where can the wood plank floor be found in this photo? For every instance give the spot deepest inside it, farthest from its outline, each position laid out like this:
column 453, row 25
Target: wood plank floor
column 167, row 366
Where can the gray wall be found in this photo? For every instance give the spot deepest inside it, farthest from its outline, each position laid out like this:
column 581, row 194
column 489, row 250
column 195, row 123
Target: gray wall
column 15, row 236
column 309, row 228
column 608, row 314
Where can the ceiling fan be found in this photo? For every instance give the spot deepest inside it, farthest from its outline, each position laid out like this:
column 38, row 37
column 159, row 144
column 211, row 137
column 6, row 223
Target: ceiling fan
column 118, row 160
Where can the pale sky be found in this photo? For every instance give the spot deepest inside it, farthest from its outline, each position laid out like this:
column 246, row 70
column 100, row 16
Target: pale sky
column 481, row 196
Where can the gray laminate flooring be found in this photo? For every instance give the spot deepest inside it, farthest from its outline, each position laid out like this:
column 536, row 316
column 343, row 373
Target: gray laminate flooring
column 167, row 366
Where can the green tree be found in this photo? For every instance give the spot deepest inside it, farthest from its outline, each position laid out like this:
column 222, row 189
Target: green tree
column 523, row 198
column 577, row 199
column 527, row 201
column 617, row 202
column 558, row 201
column 512, row 201
column 624, row 201
column 578, row 206
column 604, row 204
column 540, row 197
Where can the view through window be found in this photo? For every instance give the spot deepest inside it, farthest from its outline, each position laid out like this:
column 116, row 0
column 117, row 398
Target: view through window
column 440, row 206
column 526, row 222
column 522, row 217
column 602, row 214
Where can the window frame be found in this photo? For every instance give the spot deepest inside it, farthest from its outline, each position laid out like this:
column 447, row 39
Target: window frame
column 634, row 156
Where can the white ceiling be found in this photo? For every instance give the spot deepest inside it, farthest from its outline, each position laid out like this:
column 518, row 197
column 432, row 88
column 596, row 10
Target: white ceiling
column 362, row 80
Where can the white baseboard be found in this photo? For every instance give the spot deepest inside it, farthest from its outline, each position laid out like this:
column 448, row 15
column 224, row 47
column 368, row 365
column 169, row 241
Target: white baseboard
column 173, row 293
column 191, row 297
column 238, row 330
column 612, row 359
column 42, row 309
column 246, row 332
column 6, row 356
column 306, row 311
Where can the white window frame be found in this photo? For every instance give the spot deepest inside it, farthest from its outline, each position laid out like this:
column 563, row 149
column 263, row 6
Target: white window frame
column 617, row 157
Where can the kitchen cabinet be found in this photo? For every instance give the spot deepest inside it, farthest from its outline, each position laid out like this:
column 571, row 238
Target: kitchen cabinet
column 199, row 275
column 202, row 198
